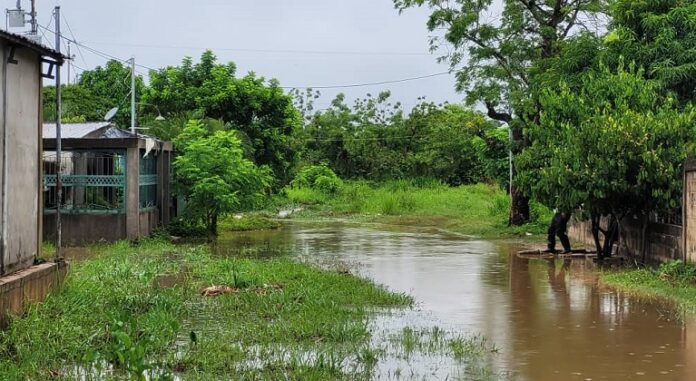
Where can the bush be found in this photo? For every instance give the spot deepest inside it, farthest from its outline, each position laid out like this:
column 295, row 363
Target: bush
column 678, row 272
column 327, row 184
column 187, row 227
column 318, row 177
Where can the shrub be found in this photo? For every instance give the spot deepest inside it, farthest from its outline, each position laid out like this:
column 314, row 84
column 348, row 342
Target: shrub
column 318, row 177
column 678, row 272
column 327, row 184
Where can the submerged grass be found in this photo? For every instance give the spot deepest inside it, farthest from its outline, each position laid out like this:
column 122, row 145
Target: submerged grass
column 674, row 281
column 283, row 319
column 480, row 209
column 247, row 222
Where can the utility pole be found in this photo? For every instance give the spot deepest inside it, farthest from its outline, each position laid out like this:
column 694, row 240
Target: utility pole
column 69, row 61
column 133, row 95
column 59, row 146
column 34, row 28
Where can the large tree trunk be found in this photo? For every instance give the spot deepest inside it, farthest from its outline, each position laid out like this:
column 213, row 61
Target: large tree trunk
column 610, row 235
column 519, row 212
column 214, row 225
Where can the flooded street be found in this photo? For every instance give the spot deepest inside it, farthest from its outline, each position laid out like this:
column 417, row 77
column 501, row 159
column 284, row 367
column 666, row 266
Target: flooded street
column 548, row 320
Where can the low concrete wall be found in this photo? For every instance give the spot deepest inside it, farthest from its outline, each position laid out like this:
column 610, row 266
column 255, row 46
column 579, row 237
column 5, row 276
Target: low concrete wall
column 31, row 285
column 82, row 229
column 664, row 241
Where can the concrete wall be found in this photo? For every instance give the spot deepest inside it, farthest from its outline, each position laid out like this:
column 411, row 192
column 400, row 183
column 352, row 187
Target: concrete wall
column 663, row 241
column 21, row 168
column 82, row 229
column 28, row 286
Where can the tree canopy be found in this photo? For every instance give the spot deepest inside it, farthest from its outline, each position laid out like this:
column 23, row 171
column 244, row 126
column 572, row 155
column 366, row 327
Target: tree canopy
column 375, row 139
column 250, row 104
column 213, row 175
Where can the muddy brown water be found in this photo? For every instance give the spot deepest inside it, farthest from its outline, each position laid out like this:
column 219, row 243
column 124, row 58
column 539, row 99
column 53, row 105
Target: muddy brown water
column 548, row 319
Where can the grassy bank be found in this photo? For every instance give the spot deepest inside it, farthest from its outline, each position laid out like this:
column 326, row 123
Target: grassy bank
column 138, row 309
column 675, row 282
column 480, row 210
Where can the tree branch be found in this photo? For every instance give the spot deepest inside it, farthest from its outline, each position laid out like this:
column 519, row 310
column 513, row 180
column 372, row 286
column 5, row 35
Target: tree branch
column 495, row 115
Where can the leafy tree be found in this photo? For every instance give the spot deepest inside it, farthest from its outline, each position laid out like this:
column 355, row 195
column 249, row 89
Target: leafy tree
column 249, row 104
column 79, row 104
column 111, row 87
column 375, row 140
column 213, row 175
column 659, row 36
column 458, row 145
column 499, row 50
column 612, row 147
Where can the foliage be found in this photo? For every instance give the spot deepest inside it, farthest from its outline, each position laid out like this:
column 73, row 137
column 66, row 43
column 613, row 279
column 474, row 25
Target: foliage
column 111, row 86
column 479, row 209
column 499, row 50
column 374, row 140
column 612, row 147
column 213, row 175
column 129, row 312
column 318, row 177
column 79, row 104
column 673, row 282
column 496, row 48
column 678, row 272
column 258, row 109
column 659, row 36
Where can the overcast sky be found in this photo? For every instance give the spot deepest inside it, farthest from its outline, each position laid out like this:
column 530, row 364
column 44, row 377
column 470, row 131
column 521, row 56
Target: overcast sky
column 299, row 42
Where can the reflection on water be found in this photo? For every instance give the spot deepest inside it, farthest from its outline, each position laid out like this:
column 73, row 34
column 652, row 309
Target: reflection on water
column 548, row 318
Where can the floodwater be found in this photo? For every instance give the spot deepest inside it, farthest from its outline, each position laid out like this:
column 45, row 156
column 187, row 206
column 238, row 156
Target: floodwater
column 549, row 320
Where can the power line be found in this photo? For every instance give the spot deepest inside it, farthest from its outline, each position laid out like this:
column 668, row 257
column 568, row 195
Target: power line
column 97, row 52
column 79, row 51
column 368, row 83
column 109, row 56
column 248, row 50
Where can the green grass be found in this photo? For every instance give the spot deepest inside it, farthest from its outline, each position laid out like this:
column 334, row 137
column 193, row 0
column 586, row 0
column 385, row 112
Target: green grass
column 247, row 222
column 138, row 309
column 480, row 210
column 675, row 282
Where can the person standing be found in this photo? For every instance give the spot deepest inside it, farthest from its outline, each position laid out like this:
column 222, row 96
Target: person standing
column 559, row 227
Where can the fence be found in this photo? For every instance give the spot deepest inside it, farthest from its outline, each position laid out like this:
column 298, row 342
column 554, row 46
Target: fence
column 93, row 182
column 148, row 181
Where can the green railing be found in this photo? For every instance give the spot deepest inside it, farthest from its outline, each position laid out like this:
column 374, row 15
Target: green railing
column 94, row 182
column 147, row 181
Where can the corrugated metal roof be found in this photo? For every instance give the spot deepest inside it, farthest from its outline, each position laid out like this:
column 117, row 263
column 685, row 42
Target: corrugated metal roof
column 74, row 130
column 24, row 41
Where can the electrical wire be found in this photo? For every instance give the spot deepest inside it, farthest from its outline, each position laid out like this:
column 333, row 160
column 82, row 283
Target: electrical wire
column 247, row 50
column 104, row 55
column 402, row 80
column 79, row 51
column 368, row 83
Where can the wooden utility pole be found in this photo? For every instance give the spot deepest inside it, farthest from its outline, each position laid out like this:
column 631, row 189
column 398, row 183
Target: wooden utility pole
column 59, row 146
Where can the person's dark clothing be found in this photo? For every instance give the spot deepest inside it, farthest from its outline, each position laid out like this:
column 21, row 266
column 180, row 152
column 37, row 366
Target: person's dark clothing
column 558, row 227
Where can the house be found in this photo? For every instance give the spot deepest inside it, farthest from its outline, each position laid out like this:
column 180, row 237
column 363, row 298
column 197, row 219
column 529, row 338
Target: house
column 23, row 66
column 116, row 184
